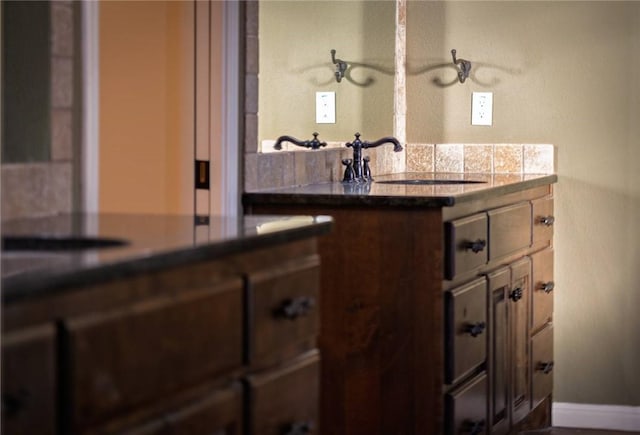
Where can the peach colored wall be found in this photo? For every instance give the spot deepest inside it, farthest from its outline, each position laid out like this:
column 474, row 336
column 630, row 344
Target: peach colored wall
column 146, row 107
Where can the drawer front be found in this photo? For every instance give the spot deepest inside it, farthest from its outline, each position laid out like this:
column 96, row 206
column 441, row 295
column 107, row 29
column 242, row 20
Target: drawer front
column 466, row 408
column 283, row 311
column 465, row 244
column 509, row 230
column 28, row 382
column 465, row 329
column 218, row 413
column 543, row 288
column 543, row 220
column 542, row 356
column 285, row 401
column 122, row 358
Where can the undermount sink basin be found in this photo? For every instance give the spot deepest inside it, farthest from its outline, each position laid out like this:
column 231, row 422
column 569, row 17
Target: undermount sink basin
column 53, row 243
column 427, row 182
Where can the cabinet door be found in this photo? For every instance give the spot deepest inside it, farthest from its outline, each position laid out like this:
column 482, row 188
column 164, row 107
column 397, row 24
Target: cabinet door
column 498, row 358
column 542, row 357
column 123, row 358
column 28, row 381
column 519, row 300
column 284, row 401
column 465, row 329
column 466, row 408
column 543, row 288
column 283, row 311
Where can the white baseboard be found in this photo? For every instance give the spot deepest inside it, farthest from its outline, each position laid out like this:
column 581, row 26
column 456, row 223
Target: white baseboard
column 588, row 416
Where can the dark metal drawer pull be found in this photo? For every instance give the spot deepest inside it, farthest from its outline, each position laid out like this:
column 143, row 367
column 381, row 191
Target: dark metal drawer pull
column 293, row 308
column 547, row 220
column 476, row 246
column 516, row 294
column 547, row 287
column 475, row 329
column 474, row 427
column 298, row 428
column 545, row 367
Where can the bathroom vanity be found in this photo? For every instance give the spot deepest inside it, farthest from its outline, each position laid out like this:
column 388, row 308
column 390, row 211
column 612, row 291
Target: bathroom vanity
column 437, row 302
column 189, row 327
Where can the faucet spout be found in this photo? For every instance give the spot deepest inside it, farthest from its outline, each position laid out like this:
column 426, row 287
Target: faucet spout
column 361, row 176
column 314, row 143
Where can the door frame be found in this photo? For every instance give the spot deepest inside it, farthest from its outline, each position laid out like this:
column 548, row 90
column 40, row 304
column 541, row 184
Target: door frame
column 225, row 150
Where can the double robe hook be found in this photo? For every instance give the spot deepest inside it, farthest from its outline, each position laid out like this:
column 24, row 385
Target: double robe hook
column 463, row 66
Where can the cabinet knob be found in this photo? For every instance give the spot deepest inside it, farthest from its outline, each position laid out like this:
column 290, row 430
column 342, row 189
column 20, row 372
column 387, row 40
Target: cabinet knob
column 293, row 308
column 298, row 428
column 545, row 367
column 516, row 294
column 547, row 220
column 547, row 287
column 474, row 427
column 475, row 329
column 476, row 246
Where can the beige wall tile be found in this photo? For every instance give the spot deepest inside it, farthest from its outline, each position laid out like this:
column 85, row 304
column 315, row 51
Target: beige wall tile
column 419, row 157
column 539, row 159
column 252, row 55
column 61, row 134
column 250, row 172
column 507, row 158
column 61, row 28
column 251, row 93
column 61, row 82
column 478, row 158
column 449, row 158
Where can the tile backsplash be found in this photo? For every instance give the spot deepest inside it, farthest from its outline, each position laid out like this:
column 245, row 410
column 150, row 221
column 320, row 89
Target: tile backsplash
column 290, row 168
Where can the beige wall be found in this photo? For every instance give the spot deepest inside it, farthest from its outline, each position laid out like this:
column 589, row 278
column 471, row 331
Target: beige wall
column 564, row 73
column 146, row 107
column 295, row 62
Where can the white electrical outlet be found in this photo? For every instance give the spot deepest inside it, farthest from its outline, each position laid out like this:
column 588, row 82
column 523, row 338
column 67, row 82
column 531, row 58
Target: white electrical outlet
column 325, row 107
column 482, row 108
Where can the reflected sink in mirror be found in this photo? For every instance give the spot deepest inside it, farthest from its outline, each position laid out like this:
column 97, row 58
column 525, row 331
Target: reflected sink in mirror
column 53, row 243
column 429, row 182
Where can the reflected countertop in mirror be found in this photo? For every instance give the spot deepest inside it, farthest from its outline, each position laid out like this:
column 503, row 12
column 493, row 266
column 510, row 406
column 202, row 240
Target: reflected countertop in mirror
column 144, row 243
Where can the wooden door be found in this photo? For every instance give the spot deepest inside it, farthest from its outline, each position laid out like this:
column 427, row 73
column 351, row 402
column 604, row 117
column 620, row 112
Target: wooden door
column 518, row 313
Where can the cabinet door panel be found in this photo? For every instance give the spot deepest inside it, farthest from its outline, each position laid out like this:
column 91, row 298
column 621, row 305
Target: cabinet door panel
column 542, row 356
column 466, row 408
column 543, row 288
column 509, row 230
column 465, row 245
column 498, row 359
column 123, row 358
column 519, row 295
column 283, row 311
column 28, row 381
column 285, row 401
column 465, row 329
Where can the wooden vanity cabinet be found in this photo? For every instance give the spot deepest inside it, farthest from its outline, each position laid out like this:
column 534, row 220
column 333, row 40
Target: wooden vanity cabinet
column 218, row 347
column 426, row 325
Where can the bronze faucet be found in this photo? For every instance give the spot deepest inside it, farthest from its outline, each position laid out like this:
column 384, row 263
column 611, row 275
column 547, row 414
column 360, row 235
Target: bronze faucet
column 356, row 171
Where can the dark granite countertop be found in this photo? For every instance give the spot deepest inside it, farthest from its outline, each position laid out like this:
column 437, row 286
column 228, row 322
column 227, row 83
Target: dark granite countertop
column 377, row 194
column 153, row 242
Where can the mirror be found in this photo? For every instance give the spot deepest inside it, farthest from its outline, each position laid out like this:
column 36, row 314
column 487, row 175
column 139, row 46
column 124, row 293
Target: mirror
column 295, row 43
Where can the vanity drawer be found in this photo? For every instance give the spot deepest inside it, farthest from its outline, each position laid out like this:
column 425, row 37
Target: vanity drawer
column 542, row 358
column 285, row 400
column 509, row 230
column 543, row 288
column 466, row 408
column 543, row 220
column 123, row 358
column 28, row 381
column 283, row 311
column 466, row 242
column 465, row 329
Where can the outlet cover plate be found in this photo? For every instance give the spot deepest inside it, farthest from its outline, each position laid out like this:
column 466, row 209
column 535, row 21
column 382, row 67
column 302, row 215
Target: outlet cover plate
column 325, row 107
column 482, row 108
